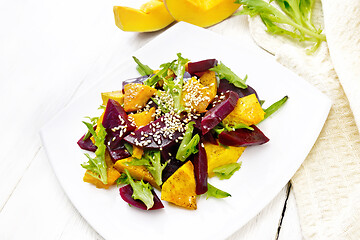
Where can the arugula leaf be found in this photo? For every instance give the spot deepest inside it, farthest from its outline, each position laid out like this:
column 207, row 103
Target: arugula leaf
column 225, row 72
column 174, row 91
column 162, row 105
column 155, row 167
column 274, row 107
column 97, row 165
column 179, row 68
column 152, row 161
column 129, row 148
column 226, row 127
column 174, row 88
column 101, row 107
column 293, row 13
column 215, row 192
column 144, row 70
column 93, row 123
column 151, row 81
column 226, row 171
column 123, row 179
column 141, row 191
column 189, row 144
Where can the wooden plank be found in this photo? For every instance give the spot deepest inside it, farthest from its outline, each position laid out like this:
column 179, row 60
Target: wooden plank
column 265, row 224
column 44, row 56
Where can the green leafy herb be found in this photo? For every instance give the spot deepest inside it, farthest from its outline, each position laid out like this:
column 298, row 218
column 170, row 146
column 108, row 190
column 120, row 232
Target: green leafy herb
column 274, row 107
column 141, row 191
column 226, row 171
column 152, row 161
column 97, row 165
column 93, row 123
column 224, row 146
column 159, row 75
column 189, row 144
column 229, row 128
column 225, row 72
column 215, row 192
column 129, row 147
column 293, row 13
column 123, row 179
column 101, row 107
column 179, row 68
column 161, row 104
column 144, row 70
column 174, row 88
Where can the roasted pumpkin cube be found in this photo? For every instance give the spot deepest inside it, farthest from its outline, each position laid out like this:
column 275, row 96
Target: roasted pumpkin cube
column 137, row 172
column 179, row 188
column 208, row 79
column 112, row 175
column 115, row 95
column 219, row 155
column 137, row 152
column 195, row 96
column 143, row 118
column 136, row 96
column 247, row 110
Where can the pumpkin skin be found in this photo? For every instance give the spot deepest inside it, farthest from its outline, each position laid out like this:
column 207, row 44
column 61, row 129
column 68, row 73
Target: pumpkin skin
column 151, row 16
column 203, row 13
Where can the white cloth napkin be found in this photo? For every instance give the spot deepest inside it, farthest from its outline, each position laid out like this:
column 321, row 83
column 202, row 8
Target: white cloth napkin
column 327, row 185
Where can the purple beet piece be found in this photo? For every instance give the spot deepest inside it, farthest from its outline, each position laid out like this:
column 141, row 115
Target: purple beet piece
column 225, row 85
column 170, row 168
column 116, row 123
column 243, row 137
column 158, row 134
column 135, row 80
column 87, row 144
column 216, row 114
column 201, row 170
column 209, row 137
column 126, row 194
column 169, row 152
column 201, row 66
column 118, row 152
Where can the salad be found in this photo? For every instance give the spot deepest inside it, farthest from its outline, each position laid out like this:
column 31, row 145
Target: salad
column 171, row 129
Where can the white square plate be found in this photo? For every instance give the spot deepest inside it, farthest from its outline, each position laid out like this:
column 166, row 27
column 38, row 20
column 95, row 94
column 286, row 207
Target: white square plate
column 266, row 169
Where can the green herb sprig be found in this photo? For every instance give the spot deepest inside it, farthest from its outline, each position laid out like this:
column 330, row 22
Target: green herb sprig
column 97, row 165
column 296, row 14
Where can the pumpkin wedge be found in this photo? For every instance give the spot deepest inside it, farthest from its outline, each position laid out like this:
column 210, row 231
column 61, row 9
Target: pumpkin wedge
column 151, row 16
column 202, row 13
column 179, row 188
column 218, row 155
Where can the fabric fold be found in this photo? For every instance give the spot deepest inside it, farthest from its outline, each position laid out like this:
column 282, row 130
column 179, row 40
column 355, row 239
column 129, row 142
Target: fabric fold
column 326, row 185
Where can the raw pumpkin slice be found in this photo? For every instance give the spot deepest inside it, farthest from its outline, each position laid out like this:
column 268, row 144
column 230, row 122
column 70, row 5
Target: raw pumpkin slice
column 151, row 16
column 179, row 188
column 202, row 13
